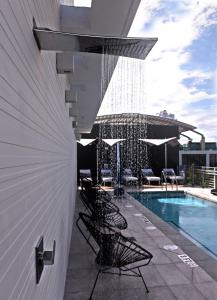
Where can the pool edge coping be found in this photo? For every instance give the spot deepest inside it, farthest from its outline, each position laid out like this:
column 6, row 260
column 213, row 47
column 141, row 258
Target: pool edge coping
column 178, row 238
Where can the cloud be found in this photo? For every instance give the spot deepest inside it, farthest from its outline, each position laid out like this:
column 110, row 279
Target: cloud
column 215, row 77
column 144, row 15
column 170, row 79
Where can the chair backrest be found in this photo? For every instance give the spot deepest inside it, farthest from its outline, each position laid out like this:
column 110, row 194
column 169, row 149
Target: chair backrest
column 115, row 249
column 88, row 204
column 84, row 173
column 97, row 194
column 98, row 203
column 101, row 234
column 182, row 173
column 147, row 172
column 127, row 172
column 106, row 173
column 169, row 172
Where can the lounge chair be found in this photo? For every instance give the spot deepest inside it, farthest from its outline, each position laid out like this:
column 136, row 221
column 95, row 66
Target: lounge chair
column 85, row 177
column 169, row 174
column 149, row 176
column 214, row 192
column 128, row 177
column 114, row 251
column 106, row 176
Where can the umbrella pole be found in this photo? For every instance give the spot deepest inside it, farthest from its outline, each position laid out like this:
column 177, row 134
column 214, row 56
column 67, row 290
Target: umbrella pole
column 118, row 164
column 97, row 162
column 118, row 190
column 165, row 153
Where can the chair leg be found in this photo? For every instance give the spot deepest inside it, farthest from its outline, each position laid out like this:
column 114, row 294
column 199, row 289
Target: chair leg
column 147, row 290
column 94, row 285
column 88, row 238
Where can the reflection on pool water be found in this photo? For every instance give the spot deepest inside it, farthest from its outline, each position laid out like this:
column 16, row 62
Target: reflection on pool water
column 183, row 201
column 196, row 217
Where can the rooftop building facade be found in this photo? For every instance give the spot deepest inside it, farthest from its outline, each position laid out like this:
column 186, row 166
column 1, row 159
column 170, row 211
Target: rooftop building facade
column 135, row 154
column 48, row 97
column 51, row 73
column 165, row 114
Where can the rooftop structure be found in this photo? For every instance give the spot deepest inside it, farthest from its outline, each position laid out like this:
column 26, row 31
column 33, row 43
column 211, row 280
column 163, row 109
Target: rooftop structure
column 165, row 114
column 143, row 119
column 51, row 91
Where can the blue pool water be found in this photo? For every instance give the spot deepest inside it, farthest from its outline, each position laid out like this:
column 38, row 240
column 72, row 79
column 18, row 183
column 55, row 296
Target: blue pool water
column 194, row 216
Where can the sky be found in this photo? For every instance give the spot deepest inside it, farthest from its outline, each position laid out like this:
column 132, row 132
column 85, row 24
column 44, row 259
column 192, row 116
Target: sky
column 180, row 72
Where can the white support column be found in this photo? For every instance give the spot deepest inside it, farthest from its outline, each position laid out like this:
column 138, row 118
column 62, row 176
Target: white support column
column 207, row 159
column 180, row 158
column 215, row 178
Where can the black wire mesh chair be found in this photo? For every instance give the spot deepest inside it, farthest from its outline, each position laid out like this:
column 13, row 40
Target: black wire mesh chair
column 114, row 251
column 97, row 192
column 98, row 203
column 107, row 213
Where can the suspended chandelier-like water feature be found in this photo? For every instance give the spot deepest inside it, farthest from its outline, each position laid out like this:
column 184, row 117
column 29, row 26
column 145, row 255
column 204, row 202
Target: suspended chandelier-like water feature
column 123, row 104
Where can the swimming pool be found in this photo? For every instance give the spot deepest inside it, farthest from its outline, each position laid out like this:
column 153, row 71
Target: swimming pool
column 194, row 216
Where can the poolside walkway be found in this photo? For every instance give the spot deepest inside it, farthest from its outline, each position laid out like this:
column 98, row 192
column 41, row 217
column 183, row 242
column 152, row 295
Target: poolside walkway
column 169, row 275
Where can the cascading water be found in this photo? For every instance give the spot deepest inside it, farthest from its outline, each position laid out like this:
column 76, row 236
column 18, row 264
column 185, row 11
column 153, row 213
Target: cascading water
column 125, row 103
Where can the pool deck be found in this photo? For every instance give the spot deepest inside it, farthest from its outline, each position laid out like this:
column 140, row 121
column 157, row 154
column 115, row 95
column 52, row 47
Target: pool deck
column 167, row 276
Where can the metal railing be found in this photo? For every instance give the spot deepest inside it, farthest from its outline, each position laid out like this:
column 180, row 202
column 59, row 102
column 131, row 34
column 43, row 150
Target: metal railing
column 205, row 177
column 164, row 181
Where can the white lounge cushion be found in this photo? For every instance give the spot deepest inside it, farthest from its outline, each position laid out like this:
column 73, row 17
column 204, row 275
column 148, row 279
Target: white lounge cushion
column 107, row 179
column 176, row 177
column 130, row 178
column 152, row 178
column 87, row 179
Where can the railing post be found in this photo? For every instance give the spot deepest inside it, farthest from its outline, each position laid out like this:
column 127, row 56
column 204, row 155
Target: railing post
column 203, row 177
column 215, row 178
column 192, row 174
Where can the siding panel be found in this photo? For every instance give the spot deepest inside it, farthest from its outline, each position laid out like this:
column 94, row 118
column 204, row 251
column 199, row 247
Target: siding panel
column 37, row 155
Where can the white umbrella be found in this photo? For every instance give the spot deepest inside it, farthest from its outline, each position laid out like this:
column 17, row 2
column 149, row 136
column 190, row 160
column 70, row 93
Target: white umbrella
column 158, row 142
column 111, row 142
column 85, row 142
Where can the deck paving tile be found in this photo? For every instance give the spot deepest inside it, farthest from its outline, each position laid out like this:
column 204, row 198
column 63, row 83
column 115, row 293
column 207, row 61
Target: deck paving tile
column 172, row 275
column 208, row 290
column 197, row 253
column 159, row 258
column 184, row 292
column 161, row 293
column 167, row 277
column 195, row 275
column 152, row 277
column 210, row 265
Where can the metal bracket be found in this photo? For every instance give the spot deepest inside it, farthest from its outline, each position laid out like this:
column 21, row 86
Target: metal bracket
column 74, row 124
column 43, row 258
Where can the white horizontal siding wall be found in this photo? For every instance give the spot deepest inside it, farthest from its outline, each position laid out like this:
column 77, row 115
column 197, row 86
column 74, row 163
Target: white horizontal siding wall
column 37, row 155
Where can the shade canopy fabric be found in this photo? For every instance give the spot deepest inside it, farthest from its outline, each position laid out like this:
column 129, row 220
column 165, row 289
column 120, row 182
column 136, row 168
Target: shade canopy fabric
column 85, row 142
column 158, row 142
column 112, row 142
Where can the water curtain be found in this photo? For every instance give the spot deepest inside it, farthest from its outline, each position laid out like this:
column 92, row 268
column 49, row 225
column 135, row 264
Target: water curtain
column 125, row 103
